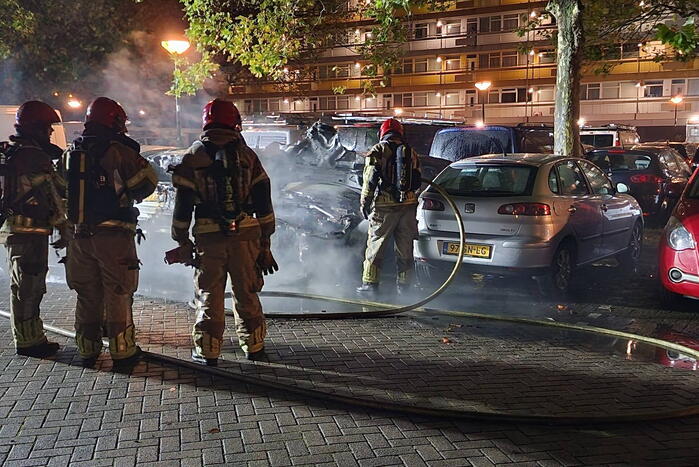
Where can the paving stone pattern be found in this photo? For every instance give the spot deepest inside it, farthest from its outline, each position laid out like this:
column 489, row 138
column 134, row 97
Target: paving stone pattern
column 483, row 367
column 55, row 412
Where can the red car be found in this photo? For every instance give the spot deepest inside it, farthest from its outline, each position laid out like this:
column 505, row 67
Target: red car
column 679, row 248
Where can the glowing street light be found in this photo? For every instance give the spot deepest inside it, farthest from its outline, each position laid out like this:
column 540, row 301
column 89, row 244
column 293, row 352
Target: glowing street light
column 677, row 100
column 141, row 112
column 480, row 124
column 581, row 122
column 397, row 111
column 175, row 48
column 483, row 86
column 74, row 104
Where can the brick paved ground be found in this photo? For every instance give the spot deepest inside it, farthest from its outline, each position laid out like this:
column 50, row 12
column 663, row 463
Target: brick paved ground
column 484, row 366
column 57, row 412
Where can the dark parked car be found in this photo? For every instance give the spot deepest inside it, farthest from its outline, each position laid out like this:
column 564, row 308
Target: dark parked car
column 689, row 151
column 656, row 175
column 454, row 144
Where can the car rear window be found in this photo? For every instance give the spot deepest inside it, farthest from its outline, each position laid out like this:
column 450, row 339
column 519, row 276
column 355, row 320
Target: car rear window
column 627, row 160
column 455, row 145
column 488, row 180
column 598, row 140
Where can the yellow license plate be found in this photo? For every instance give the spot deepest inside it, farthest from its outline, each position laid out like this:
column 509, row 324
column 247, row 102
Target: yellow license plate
column 470, row 249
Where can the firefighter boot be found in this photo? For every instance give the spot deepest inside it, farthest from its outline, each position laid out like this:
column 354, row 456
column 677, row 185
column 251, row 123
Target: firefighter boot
column 368, row 288
column 196, row 358
column 43, row 350
column 259, row 356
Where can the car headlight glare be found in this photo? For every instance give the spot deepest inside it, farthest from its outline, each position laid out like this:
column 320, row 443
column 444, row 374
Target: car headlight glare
column 678, row 237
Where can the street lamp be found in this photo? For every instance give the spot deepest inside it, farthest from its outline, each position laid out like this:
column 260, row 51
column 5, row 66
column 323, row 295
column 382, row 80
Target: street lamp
column 176, row 48
column 483, row 86
column 677, row 100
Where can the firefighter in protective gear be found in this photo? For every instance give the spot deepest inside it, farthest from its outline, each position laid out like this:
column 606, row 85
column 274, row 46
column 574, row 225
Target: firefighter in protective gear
column 222, row 182
column 389, row 202
column 31, row 208
column 105, row 176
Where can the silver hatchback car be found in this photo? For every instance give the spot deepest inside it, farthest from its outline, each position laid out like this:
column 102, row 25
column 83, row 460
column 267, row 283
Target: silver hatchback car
column 539, row 215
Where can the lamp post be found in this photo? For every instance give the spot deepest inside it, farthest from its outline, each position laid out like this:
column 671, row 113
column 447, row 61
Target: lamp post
column 483, row 86
column 677, row 100
column 176, row 48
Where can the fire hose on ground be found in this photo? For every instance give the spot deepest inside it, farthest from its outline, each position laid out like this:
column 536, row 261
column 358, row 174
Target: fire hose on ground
column 386, row 309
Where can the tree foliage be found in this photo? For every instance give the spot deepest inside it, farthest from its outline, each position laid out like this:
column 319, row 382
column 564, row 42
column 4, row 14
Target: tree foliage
column 18, row 25
column 265, row 37
column 59, row 44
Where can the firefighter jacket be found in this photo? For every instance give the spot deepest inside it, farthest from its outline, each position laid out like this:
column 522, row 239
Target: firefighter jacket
column 380, row 184
column 31, row 203
column 243, row 203
column 121, row 172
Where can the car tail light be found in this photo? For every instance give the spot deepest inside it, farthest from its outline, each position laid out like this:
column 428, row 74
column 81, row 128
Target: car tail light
column 525, row 209
column 429, row 204
column 646, row 178
column 616, row 151
column 617, row 142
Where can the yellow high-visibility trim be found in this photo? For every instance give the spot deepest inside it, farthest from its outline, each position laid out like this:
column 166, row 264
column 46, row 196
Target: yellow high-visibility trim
column 370, row 274
column 266, row 219
column 259, row 178
column 29, row 332
column 124, row 344
column 180, row 181
column 146, row 173
column 208, row 225
column 180, row 224
column 81, row 196
column 119, row 224
column 87, row 347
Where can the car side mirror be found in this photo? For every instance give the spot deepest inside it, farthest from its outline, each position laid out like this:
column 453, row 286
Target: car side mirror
column 622, row 188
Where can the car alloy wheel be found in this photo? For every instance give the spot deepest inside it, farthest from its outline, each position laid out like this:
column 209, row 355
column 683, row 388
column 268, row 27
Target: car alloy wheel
column 563, row 268
column 635, row 243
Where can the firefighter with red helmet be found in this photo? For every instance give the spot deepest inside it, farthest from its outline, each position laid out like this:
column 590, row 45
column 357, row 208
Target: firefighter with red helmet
column 389, row 202
column 221, row 182
column 30, row 209
column 105, row 176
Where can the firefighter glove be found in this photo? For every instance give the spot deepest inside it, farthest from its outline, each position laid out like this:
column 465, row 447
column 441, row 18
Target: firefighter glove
column 63, row 239
column 266, row 262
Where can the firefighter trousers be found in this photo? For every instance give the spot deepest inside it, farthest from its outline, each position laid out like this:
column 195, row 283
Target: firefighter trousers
column 218, row 257
column 27, row 258
column 397, row 222
column 103, row 270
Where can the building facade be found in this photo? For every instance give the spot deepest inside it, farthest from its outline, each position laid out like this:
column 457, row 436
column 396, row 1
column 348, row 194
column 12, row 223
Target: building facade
column 477, row 41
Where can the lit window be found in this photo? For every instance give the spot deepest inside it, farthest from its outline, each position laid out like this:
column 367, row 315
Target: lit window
column 454, row 28
column 509, row 59
column 421, row 30
column 510, row 22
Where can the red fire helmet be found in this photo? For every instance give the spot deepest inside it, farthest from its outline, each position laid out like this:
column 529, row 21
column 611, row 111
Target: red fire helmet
column 33, row 113
column 391, row 126
column 107, row 112
column 221, row 112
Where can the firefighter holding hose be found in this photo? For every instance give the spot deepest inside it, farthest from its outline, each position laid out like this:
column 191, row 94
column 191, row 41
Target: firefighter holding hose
column 30, row 209
column 222, row 182
column 389, row 202
column 105, row 176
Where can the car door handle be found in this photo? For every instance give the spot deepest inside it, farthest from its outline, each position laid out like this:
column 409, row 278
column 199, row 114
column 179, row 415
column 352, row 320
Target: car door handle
column 604, row 208
column 572, row 209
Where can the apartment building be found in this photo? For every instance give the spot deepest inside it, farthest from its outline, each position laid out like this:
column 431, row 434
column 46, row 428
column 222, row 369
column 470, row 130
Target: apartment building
column 475, row 41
